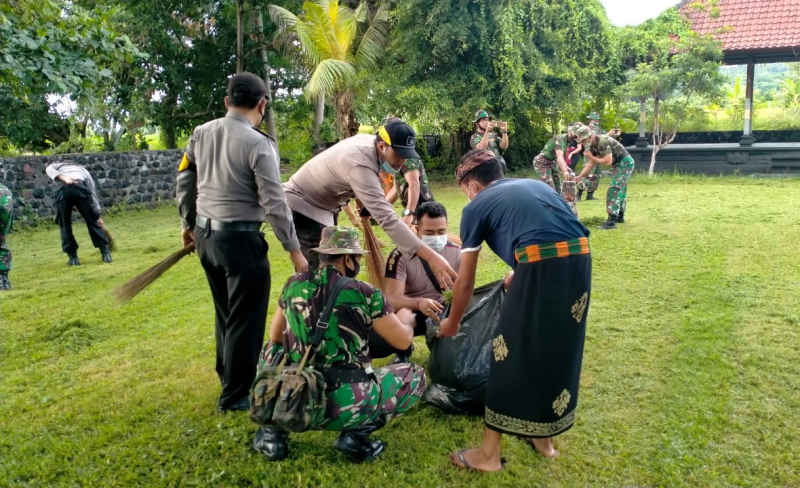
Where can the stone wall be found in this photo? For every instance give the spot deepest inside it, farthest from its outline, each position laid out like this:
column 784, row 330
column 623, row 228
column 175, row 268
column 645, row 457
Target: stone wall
column 127, row 178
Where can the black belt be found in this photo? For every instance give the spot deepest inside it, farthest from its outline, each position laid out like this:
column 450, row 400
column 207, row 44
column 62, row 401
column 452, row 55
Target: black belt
column 237, row 226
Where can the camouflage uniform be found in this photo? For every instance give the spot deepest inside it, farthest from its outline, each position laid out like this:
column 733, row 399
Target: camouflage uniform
column 494, row 139
column 592, row 181
column 621, row 171
column 425, row 194
column 393, row 390
column 6, row 216
column 548, row 171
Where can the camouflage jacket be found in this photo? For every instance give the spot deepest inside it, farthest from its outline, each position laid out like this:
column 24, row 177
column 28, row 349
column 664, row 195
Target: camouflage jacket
column 345, row 341
column 402, row 185
column 494, row 142
column 558, row 142
column 603, row 145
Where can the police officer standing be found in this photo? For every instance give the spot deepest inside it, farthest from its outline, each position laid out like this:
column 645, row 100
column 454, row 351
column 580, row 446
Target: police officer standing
column 485, row 136
column 228, row 184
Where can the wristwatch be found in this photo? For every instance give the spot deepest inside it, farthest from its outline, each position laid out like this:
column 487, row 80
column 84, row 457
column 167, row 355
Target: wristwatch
column 406, row 212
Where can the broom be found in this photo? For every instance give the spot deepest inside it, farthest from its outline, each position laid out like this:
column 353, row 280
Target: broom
column 111, row 244
column 141, row 281
column 375, row 261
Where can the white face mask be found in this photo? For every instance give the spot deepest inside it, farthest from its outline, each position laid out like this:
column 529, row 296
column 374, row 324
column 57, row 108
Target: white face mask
column 437, row 243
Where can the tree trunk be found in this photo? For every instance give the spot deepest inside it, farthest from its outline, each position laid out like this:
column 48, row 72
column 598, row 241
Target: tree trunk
column 316, row 125
column 656, row 138
column 239, row 35
column 346, row 124
column 259, row 17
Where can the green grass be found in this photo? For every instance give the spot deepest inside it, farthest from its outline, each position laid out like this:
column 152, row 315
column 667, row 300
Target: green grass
column 689, row 379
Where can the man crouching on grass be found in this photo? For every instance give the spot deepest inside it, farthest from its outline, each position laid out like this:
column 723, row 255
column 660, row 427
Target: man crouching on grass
column 532, row 390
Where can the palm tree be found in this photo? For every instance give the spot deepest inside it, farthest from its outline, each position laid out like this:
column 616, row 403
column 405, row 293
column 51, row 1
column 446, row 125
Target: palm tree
column 327, row 37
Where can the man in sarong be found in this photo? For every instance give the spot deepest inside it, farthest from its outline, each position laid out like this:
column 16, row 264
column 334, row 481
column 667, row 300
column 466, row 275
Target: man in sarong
column 532, row 390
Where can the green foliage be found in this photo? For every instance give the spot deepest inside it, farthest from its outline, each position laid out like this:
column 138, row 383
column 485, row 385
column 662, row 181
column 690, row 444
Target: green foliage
column 50, row 47
column 524, row 61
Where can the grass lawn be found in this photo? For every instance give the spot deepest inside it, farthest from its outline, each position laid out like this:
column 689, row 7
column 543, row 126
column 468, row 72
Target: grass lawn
column 690, row 373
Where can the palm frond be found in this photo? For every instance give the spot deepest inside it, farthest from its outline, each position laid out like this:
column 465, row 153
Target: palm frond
column 345, row 27
column 361, row 12
column 374, row 39
column 283, row 18
column 327, row 76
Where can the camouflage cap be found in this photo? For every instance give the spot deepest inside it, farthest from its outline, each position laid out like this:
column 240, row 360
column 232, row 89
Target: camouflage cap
column 339, row 240
column 593, row 116
column 582, row 133
column 481, row 114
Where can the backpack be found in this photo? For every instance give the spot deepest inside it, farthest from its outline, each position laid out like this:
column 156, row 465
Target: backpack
column 293, row 397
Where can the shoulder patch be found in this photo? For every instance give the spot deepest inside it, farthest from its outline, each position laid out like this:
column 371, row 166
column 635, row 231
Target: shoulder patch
column 391, row 263
column 184, row 163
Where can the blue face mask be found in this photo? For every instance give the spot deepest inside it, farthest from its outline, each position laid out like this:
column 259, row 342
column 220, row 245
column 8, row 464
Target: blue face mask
column 385, row 166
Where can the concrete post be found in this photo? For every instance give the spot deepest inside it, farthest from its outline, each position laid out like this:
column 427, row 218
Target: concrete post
column 747, row 133
column 641, row 141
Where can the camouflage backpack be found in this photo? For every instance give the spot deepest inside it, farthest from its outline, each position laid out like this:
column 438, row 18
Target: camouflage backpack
column 293, row 397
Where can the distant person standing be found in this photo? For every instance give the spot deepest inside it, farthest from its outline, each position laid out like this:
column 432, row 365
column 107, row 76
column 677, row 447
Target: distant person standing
column 606, row 151
column 485, row 136
column 6, row 216
column 228, row 183
column 78, row 190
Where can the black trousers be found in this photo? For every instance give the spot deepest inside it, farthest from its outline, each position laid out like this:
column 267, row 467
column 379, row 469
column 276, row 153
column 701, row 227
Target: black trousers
column 237, row 270
column 67, row 197
column 309, row 232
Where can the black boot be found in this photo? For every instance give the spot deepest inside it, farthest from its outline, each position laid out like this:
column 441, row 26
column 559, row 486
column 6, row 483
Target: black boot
column 106, row 252
column 580, row 194
column 272, row 442
column 611, row 223
column 590, row 195
column 621, row 217
column 356, row 444
column 4, row 283
column 73, row 260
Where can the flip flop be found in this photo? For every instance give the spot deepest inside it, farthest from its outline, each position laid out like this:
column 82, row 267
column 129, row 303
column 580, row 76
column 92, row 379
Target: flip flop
column 464, row 464
column 529, row 442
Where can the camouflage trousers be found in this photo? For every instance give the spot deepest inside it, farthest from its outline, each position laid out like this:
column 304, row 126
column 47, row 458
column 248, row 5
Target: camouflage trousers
column 396, row 389
column 548, row 172
column 616, row 197
column 6, row 216
column 591, row 182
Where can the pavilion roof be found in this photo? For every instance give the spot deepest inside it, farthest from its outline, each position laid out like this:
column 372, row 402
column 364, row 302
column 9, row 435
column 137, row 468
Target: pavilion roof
column 763, row 30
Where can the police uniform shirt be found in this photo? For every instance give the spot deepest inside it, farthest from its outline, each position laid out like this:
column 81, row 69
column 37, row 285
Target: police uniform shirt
column 410, row 270
column 230, row 173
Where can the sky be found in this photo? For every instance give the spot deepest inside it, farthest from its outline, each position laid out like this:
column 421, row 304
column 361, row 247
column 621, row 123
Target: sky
column 634, row 12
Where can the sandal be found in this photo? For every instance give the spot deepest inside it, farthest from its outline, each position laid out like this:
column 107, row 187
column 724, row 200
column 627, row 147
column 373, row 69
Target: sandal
column 459, row 459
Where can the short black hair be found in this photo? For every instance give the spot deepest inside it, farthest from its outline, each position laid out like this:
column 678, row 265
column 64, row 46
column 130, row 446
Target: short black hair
column 432, row 209
column 245, row 90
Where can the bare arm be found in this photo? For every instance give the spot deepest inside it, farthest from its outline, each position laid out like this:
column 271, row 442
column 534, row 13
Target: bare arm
column 484, row 140
column 462, row 293
column 562, row 163
column 396, row 333
column 277, row 327
column 412, row 178
column 504, row 140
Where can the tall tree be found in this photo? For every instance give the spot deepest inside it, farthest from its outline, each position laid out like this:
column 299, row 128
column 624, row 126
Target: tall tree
column 327, row 35
column 679, row 66
column 49, row 47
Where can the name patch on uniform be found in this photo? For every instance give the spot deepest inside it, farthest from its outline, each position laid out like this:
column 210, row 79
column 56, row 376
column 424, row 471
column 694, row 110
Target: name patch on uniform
column 391, row 264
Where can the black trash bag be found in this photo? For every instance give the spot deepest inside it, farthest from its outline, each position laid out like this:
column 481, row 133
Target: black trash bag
column 459, row 366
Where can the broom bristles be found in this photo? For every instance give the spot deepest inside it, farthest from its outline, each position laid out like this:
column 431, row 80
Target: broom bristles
column 141, row 281
column 375, row 262
column 111, row 244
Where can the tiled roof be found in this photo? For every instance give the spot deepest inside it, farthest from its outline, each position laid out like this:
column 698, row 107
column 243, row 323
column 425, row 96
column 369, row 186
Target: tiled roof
column 749, row 25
